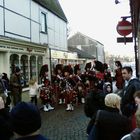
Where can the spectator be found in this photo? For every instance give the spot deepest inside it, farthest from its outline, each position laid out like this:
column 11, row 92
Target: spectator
column 128, row 107
column 107, row 88
column 137, row 103
column 15, row 85
column 111, row 124
column 93, row 102
column 137, row 98
column 33, row 90
column 5, row 129
column 26, row 122
column 135, row 134
column 107, row 74
column 3, row 92
column 118, row 76
column 7, row 89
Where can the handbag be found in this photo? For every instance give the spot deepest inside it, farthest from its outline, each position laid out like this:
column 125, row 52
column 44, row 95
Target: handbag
column 93, row 135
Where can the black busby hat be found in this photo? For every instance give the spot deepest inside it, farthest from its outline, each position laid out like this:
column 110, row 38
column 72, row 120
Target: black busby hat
column 99, row 66
column 58, row 67
column 88, row 65
column 76, row 68
column 105, row 65
column 68, row 69
column 44, row 69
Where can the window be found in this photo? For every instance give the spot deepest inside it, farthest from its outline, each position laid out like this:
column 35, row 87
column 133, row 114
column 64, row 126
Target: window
column 43, row 23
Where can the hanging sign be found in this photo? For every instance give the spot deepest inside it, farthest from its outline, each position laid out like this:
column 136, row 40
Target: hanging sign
column 124, row 27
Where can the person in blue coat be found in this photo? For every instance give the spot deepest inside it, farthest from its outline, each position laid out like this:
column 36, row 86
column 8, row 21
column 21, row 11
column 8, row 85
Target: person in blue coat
column 132, row 85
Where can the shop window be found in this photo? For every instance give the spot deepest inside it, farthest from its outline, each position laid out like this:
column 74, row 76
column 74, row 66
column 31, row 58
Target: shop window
column 24, row 70
column 39, row 65
column 33, row 67
column 14, row 61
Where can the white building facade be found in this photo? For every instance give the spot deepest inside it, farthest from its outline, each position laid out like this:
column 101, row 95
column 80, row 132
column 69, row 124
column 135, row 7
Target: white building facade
column 29, row 31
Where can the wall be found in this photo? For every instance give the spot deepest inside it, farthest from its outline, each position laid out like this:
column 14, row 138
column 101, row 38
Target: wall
column 21, row 19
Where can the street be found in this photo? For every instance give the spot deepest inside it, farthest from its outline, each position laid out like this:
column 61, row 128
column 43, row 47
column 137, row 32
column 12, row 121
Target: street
column 59, row 124
column 62, row 125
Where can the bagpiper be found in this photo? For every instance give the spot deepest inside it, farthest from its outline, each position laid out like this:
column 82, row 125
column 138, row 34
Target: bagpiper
column 89, row 77
column 56, row 81
column 99, row 73
column 67, row 87
column 79, row 87
column 46, row 89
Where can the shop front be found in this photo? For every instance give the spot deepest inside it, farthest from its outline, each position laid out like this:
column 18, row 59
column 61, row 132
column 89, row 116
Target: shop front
column 65, row 58
column 29, row 57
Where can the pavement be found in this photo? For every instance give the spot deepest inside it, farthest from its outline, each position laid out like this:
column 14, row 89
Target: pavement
column 59, row 124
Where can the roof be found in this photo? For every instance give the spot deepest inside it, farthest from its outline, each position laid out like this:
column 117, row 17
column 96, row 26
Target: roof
column 81, row 53
column 53, row 6
column 85, row 36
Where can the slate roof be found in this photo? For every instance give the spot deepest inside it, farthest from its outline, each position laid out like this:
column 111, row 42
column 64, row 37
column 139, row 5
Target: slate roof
column 81, row 53
column 53, row 6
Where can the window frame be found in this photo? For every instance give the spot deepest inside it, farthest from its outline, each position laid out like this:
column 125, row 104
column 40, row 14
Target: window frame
column 44, row 22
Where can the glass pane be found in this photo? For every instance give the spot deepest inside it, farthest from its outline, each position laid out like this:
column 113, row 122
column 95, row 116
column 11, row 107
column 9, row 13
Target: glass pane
column 24, row 70
column 43, row 22
column 14, row 61
column 39, row 63
column 32, row 66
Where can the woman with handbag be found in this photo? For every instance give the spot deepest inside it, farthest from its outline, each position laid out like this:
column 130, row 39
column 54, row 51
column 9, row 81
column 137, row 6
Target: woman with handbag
column 110, row 124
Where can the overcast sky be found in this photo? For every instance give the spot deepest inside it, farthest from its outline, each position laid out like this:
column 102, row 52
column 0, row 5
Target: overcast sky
column 98, row 19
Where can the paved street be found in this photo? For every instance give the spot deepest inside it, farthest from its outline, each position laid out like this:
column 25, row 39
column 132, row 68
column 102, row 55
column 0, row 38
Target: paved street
column 62, row 125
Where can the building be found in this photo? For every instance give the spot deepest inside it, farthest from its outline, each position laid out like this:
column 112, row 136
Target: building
column 135, row 18
column 30, row 33
column 86, row 47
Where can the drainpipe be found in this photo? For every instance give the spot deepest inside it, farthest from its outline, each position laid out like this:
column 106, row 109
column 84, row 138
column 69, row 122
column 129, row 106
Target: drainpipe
column 50, row 58
column 136, row 57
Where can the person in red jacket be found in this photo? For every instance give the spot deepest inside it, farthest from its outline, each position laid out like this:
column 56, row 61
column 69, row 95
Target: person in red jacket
column 118, row 76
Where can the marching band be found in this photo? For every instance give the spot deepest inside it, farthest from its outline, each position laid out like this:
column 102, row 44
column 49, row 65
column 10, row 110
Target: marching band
column 69, row 85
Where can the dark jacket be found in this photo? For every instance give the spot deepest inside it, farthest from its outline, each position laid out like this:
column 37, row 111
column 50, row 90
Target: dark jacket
column 112, row 125
column 35, row 137
column 128, row 107
column 2, row 86
column 5, row 129
column 15, row 84
column 93, row 102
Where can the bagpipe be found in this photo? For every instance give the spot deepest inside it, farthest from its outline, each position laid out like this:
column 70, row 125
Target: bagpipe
column 46, row 91
column 67, row 90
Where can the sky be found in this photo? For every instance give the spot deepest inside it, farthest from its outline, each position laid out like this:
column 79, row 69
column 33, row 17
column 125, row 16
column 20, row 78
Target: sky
column 98, row 19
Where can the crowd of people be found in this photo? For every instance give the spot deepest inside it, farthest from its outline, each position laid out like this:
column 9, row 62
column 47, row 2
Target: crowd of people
column 118, row 111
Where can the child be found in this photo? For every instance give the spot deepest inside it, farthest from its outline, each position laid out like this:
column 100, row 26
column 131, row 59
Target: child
column 33, row 90
column 107, row 88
